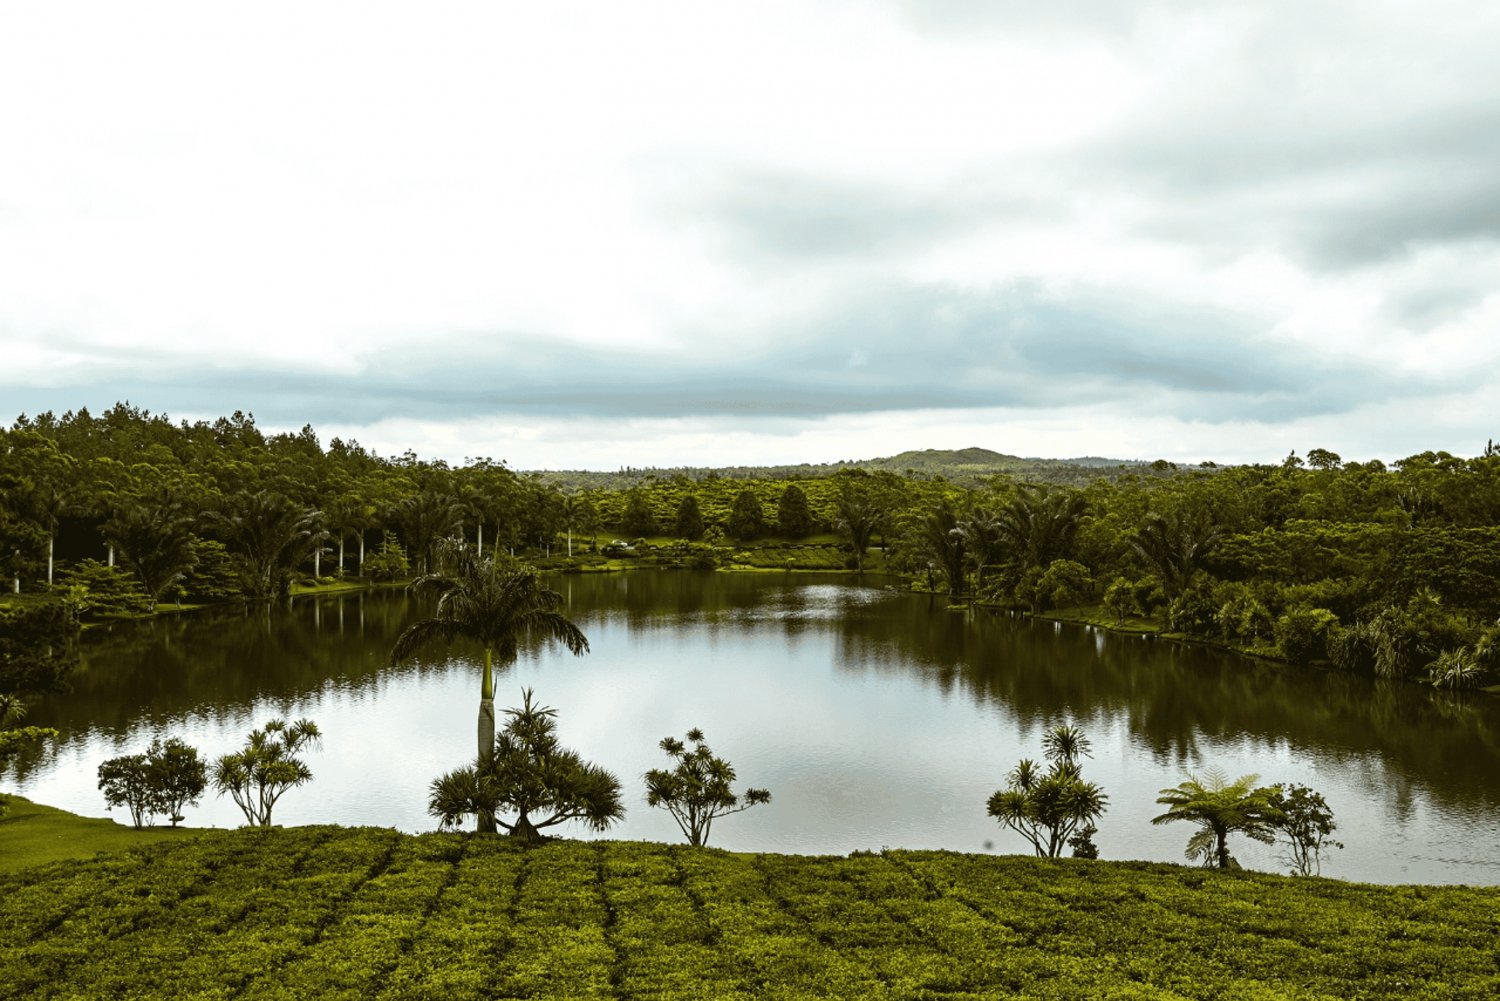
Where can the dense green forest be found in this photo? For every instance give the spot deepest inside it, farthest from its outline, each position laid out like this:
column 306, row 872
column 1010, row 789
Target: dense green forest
column 319, row 912
column 1387, row 570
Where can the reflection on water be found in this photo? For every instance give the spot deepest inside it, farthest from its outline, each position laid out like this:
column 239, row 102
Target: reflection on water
column 875, row 717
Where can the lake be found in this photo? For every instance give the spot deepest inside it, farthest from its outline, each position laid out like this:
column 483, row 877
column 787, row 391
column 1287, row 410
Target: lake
column 875, row 717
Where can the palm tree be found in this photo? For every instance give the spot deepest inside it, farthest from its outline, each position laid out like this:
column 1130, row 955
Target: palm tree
column 155, row 539
column 270, row 534
column 494, row 604
column 1220, row 808
column 1174, row 545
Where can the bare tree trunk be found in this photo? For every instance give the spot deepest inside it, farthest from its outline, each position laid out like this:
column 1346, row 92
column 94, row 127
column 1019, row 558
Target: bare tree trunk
column 111, row 554
column 50, row 538
column 361, row 552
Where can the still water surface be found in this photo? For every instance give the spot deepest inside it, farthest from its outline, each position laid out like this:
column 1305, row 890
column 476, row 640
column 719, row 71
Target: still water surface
column 876, row 718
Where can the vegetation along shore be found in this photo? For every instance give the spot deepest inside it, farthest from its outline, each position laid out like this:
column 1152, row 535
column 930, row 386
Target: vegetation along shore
column 1392, row 571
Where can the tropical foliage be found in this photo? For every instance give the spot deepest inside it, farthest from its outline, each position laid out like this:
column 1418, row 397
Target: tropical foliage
column 494, row 603
column 699, row 789
column 1392, row 570
column 1220, row 808
column 1055, row 808
column 260, row 773
column 531, row 775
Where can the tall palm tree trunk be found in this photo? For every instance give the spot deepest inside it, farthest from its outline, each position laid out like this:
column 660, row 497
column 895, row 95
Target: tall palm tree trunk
column 487, row 731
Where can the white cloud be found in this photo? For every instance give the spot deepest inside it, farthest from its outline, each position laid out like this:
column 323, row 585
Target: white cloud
column 488, row 216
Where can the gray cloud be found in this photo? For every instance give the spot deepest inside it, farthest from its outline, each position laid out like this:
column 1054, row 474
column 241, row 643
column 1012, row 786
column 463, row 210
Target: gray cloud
column 781, row 215
column 908, row 347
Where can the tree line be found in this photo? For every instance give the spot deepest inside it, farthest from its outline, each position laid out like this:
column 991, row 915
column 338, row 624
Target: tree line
column 1392, row 570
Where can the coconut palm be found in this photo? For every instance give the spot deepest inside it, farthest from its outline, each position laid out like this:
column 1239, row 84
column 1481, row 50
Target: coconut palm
column 494, row 604
column 1220, row 808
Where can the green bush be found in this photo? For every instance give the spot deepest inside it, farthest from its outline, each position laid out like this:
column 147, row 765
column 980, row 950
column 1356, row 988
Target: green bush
column 99, row 589
column 1303, row 634
column 387, row 563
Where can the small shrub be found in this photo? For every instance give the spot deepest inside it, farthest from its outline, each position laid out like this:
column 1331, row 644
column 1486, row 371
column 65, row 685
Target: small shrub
column 387, row 563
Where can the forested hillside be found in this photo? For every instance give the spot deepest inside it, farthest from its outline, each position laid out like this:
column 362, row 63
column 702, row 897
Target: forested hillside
column 1391, row 570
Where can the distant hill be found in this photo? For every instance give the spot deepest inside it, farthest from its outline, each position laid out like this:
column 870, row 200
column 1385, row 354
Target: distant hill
column 968, row 466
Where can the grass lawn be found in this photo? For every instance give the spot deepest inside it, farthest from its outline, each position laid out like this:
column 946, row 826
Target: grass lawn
column 32, row 834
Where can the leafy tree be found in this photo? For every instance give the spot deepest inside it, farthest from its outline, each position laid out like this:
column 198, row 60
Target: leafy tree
column 257, row 775
column 689, row 519
column 794, row 519
column 1302, row 633
column 99, row 589
column 126, row 781
column 861, row 512
column 528, row 774
column 1064, row 584
column 494, row 604
column 423, row 519
column 178, row 776
column 746, row 519
column 1174, row 546
column 941, row 542
column 1056, row 807
column 638, row 519
column 1220, row 808
column 1119, row 599
column 1305, row 826
column 698, row 790
column 213, row 576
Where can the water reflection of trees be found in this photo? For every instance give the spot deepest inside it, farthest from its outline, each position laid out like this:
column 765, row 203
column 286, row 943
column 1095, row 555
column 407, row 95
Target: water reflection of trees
column 1175, row 696
column 1172, row 698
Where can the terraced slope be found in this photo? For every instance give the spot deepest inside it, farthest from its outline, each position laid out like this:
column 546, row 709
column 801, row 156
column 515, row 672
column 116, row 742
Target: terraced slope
column 330, row 913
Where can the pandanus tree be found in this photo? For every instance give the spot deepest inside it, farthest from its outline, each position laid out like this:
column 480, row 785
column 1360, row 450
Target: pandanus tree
column 494, row 604
column 697, row 792
column 257, row 775
column 530, row 774
column 1053, row 807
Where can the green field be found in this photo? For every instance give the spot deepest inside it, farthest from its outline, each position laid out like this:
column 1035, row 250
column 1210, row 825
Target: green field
column 326, row 912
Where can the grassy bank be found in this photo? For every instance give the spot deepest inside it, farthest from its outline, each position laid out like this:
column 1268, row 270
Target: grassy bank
column 33, row 834
column 325, row 912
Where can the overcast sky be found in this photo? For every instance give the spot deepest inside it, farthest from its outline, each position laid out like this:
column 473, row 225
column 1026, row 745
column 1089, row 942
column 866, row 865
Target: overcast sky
column 587, row 235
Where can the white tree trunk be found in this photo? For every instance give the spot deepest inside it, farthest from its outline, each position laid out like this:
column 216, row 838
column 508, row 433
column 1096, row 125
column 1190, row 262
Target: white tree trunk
column 50, row 539
column 479, row 543
column 317, row 560
column 570, row 542
column 341, row 554
column 111, row 554
column 361, row 553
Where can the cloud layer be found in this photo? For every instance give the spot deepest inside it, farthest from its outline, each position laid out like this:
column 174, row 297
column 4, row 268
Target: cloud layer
column 800, row 232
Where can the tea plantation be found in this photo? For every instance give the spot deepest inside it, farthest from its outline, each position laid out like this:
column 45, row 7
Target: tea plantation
column 325, row 912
